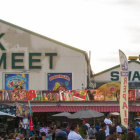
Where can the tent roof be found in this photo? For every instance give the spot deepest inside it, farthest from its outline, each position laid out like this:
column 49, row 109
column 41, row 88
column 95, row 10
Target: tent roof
column 63, row 114
column 6, row 114
column 85, row 114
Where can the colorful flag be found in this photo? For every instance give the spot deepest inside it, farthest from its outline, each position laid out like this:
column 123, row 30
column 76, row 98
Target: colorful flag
column 21, row 110
column 124, row 89
column 79, row 95
column 31, row 95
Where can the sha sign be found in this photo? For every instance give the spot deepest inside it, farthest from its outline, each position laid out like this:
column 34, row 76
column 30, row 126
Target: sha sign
column 18, row 59
column 132, row 76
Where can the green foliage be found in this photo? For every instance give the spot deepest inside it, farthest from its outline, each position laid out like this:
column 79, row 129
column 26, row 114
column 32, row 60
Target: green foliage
column 124, row 136
column 81, row 131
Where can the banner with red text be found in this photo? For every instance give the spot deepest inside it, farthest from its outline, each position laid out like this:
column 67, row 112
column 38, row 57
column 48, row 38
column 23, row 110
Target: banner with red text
column 124, row 89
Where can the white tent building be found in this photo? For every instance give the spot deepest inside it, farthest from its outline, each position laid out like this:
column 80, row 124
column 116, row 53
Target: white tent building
column 41, row 59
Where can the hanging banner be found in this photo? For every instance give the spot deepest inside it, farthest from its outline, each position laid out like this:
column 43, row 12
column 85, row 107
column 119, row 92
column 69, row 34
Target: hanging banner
column 22, row 110
column 31, row 94
column 48, row 95
column 95, row 95
column 110, row 91
column 137, row 94
column 124, row 89
column 18, row 95
column 131, row 95
column 79, row 95
column 59, row 81
column 16, row 80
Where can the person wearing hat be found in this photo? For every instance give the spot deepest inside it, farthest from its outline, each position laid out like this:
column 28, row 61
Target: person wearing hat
column 88, row 127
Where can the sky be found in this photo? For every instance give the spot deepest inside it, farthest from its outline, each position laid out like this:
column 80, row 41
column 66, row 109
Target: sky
column 100, row 26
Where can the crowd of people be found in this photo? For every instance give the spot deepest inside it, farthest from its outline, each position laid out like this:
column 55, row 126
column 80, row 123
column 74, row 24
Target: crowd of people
column 105, row 130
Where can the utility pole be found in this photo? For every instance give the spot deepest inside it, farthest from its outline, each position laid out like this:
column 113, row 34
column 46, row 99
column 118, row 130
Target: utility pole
column 89, row 69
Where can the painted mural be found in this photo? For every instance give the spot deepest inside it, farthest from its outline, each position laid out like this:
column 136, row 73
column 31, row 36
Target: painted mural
column 110, row 91
column 21, row 110
column 59, row 81
column 16, row 80
column 67, row 95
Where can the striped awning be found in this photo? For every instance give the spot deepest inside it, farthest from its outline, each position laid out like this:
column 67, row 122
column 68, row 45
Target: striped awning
column 78, row 108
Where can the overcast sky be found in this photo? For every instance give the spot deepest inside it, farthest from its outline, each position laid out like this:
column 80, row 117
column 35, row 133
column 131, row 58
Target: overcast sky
column 100, row 26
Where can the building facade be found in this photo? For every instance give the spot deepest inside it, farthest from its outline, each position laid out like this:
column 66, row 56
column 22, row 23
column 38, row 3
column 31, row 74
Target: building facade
column 113, row 75
column 40, row 59
column 108, row 83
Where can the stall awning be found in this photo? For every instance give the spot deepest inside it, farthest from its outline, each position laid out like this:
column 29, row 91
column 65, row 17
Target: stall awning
column 77, row 108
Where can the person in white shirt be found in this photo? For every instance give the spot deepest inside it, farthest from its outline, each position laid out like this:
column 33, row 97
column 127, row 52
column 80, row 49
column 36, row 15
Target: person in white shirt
column 74, row 133
column 119, row 129
column 88, row 127
column 108, row 123
column 25, row 125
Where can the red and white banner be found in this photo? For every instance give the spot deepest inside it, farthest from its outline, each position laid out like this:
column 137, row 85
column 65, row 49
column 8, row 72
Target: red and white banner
column 124, row 89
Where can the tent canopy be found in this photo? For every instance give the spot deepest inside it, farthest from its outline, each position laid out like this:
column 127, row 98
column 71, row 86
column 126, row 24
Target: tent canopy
column 85, row 114
column 115, row 113
column 63, row 114
column 6, row 114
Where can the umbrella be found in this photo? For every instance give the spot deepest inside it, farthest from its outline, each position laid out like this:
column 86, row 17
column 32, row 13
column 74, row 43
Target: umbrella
column 115, row 113
column 137, row 118
column 63, row 114
column 6, row 114
column 86, row 114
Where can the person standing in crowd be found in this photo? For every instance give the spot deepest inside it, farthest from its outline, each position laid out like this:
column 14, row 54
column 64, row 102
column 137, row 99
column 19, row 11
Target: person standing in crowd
column 74, row 132
column 119, row 130
column 88, row 127
column 92, row 131
column 53, row 130
column 108, row 123
column 20, row 126
column 131, row 133
column 100, row 135
column 22, row 137
column 43, row 136
column 84, row 129
column 61, row 135
column 65, row 125
column 25, row 125
column 37, row 128
column 112, row 135
column 44, row 129
column 137, row 129
column 50, row 130
column 86, row 123
column 97, row 126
